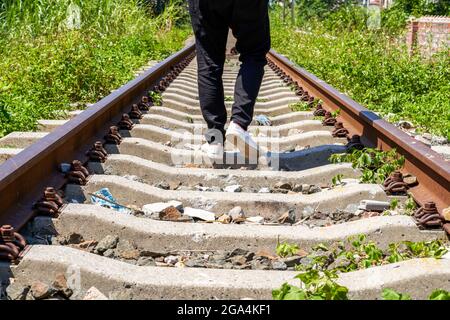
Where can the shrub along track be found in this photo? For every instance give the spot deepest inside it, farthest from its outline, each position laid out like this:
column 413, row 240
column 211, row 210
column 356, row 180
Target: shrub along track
column 123, row 255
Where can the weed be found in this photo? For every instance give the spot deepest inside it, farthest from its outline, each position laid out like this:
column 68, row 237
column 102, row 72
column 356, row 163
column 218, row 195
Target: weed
column 300, row 106
column 285, row 249
column 375, row 165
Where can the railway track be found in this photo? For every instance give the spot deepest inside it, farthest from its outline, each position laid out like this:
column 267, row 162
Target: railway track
column 181, row 225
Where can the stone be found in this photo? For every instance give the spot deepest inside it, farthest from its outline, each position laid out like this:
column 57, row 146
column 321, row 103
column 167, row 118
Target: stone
column 339, row 262
column 405, row 124
column 194, row 263
column 130, row 254
column 265, row 254
column 238, row 260
column 292, row 261
column 146, row 262
column 40, row 290
column 305, row 188
column 94, row 294
column 124, row 245
column 446, row 214
column 258, row 265
column 60, row 285
column 264, row 190
column 279, row 265
column 110, row 253
column 236, row 213
column 163, row 185
column 74, row 238
column 171, row 260
column 297, row 188
column 283, row 186
column 233, row 188
column 87, row 245
column 225, row 219
column 287, row 217
column 255, row 219
column 439, row 140
column 108, row 242
column 239, row 252
column 314, row 189
column 199, row 214
column 427, row 136
column 249, row 256
column 170, row 214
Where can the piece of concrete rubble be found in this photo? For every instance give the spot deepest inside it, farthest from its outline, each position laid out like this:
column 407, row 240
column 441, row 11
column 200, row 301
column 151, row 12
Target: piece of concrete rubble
column 199, row 214
column 255, row 219
column 264, row 190
column 94, row 294
column 171, row 260
column 233, row 188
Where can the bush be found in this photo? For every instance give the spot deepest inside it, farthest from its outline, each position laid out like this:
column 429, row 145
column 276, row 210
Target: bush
column 375, row 69
column 48, row 68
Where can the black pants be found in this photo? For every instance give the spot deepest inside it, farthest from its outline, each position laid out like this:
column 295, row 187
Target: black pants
column 249, row 21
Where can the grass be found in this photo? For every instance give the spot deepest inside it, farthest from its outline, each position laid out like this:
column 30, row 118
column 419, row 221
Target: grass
column 374, row 68
column 48, row 68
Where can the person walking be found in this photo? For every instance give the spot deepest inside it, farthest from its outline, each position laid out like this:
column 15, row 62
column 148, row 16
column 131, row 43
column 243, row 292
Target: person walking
column 249, row 22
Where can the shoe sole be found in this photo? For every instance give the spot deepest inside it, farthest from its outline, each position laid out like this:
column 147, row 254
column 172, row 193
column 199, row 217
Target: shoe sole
column 244, row 148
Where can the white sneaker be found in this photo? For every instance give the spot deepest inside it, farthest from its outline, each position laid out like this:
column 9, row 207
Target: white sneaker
column 242, row 140
column 213, row 151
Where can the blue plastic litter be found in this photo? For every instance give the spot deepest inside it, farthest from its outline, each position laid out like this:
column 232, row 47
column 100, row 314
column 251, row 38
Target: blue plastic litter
column 111, row 203
column 262, row 120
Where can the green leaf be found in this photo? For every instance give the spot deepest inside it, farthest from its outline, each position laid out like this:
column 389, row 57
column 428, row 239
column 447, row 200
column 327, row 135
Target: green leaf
column 440, row 295
column 390, row 294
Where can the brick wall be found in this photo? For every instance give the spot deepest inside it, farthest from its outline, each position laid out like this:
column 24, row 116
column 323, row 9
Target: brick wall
column 429, row 35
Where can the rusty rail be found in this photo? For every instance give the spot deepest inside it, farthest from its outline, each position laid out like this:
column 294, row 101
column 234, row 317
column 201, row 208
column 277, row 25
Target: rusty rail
column 24, row 177
column 431, row 170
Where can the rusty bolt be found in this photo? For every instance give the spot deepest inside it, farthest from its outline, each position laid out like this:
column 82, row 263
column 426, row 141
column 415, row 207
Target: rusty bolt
column 7, row 233
column 339, row 130
column 428, row 216
column 329, row 119
column 320, row 111
column 125, row 123
column 78, row 173
column 135, row 113
column 97, row 153
column 145, row 103
column 394, row 184
column 50, row 203
column 113, row 136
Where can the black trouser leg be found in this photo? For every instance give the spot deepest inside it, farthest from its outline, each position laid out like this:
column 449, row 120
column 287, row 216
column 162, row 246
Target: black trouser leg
column 251, row 27
column 210, row 22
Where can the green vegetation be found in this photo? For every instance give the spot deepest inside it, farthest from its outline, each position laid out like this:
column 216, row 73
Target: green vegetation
column 375, row 165
column 49, row 66
column 389, row 294
column 300, row 106
column 318, row 278
column 373, row 67
column 286, row 249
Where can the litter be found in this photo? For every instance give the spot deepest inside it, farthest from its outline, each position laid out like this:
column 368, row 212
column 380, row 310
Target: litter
column 104, row 198
column 262, row 120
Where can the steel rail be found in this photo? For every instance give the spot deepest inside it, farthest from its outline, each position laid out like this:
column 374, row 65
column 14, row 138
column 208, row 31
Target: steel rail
column 430, row 168
column 24, row 177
